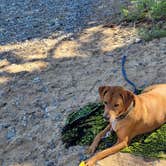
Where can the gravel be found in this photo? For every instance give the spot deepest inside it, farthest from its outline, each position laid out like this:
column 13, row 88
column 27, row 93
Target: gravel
column 28, row 19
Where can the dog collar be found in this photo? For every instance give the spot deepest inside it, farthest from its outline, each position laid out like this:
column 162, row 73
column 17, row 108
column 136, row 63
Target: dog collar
column 126, row 113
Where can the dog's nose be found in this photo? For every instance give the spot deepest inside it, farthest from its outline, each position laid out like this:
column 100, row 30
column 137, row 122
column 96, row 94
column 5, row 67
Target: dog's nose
column 106, row 117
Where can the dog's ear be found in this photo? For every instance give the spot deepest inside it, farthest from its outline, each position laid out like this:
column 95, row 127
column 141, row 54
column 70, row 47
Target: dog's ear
column 128, row 98
column 103, row 90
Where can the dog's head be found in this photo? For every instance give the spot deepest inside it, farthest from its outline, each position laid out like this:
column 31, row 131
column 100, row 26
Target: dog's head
column 116, row 101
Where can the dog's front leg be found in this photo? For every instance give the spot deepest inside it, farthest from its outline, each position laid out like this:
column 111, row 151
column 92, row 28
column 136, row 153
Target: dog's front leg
column 100, row 155
column 97, row 139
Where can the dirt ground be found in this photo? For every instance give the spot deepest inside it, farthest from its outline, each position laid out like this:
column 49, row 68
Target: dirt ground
column 42, row 80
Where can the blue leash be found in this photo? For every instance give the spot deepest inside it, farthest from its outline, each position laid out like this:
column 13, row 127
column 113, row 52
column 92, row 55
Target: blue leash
column 136, row 90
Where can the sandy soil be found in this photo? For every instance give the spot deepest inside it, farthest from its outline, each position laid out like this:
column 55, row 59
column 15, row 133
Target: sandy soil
column 42, row 81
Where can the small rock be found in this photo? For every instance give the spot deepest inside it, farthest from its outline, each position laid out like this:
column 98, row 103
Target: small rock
column 11, row 133
column 3, row 105
column 36, row 80
column 46, row 113
column 24, row 120
column 6, row 125
column 137, row 40
column 109, row 54
column 1, row 127
column 51, row 145
column 51, row 112
column 49, row 163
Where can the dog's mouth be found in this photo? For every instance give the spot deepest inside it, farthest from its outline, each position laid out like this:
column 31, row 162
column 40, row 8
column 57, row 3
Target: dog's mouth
column 110, row 118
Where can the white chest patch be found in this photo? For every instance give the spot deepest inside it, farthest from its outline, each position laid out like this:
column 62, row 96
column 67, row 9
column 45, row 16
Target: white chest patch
column 114, row 123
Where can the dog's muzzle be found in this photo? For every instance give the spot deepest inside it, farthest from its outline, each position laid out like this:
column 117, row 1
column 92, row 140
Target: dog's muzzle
column 106, row 117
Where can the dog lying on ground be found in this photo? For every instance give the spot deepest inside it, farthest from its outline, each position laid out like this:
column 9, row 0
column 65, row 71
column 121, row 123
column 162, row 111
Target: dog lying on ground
column 129, row 115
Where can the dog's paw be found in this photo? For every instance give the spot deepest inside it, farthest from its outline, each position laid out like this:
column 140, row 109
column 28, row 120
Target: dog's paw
column 90, row 162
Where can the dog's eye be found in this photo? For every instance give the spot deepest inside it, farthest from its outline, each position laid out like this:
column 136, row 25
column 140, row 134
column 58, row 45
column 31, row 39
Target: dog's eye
column 116, row 105
column 105, row 102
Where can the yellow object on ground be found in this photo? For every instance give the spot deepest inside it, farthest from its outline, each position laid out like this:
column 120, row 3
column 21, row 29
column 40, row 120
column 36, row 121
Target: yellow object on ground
column 82, row 163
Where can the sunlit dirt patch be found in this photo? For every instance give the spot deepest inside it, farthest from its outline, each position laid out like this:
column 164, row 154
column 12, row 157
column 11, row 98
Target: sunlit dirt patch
column 29, row 67
column 28, row 50
column 4, row 80
column 94, row 41
column 4, row 62
column 91, row 41
column 67, row 49
column 117, row 37
column 22, row 164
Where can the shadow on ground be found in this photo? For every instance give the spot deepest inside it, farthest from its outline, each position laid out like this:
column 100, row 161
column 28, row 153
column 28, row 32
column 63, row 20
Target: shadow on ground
column 26, row 20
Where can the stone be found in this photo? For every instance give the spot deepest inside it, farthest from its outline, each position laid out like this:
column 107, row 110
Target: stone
column 11, row 133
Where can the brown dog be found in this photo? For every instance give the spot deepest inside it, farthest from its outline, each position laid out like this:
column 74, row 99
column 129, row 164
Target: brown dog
column 129, row 115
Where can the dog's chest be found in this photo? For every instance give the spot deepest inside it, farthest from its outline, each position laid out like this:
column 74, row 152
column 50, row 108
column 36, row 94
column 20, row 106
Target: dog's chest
column 114, row 125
